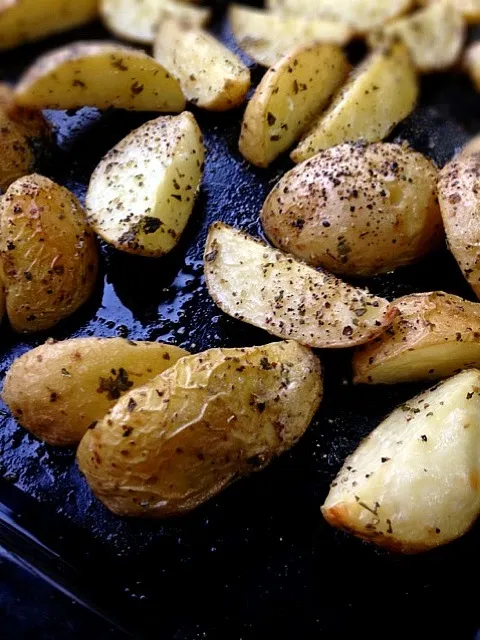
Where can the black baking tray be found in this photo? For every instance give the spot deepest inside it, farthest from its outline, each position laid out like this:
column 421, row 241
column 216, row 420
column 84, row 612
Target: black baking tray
column 258, row 561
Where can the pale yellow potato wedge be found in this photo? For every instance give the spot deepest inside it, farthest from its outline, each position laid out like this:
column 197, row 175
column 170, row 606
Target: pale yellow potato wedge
column 138, row 20
column 471, row 62
column 266, row 37
column 211, row 76
column 290, row 95
column 470, row 9
column 99, row 74
column 414, row 483
column 27, row 20
column 272, row 290
column 379, row 94
column 142, row 193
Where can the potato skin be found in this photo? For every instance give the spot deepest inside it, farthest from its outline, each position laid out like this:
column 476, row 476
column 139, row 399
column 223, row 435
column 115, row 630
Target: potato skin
column 60, row 389
column 357, row 209
column 172, row 444
column 48, row 255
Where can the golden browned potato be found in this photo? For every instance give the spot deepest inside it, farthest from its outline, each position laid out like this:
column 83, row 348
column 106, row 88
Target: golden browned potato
column 212, row 77
column 163, row 161
column 169, row 446
column 26, row 20
column 99, row 74
column 357, row 209
column 262, row 286
column 60, row 389
column 459, row 197
column 470, row 9
column 435, row 336
column 48, row 254
column 380, row 93
column 413, row 484
column 471, row 62
column 290, row 95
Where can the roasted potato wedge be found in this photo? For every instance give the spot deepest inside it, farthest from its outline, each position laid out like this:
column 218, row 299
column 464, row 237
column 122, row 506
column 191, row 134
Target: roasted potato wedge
column 26, row 20
column 471, row 62
column 435, row 336
column 262, row 286
column 138, row 20
column 60, row 389
column 290, row 95
column 48, row 255
column 267, row 37
column 357, row 209
column 413, row 484
column 469, row 9
column 163, row 161
column 169, row 446
column 99, row 74
column 213, row 78
column 380, row 93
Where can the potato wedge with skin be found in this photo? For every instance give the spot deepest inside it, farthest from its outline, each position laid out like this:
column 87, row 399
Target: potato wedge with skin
column 357, row 209
column 27, row 20
column 60, row 389
column 213, row 78
column 99, row 74
column 48, row 254
column 142, row 193
column 262, row 286
column 290, row 95
column 414, row 483
column 471, row 62
column 138, row 20
column 379, row 94
column 267, row 37
column 167, row 447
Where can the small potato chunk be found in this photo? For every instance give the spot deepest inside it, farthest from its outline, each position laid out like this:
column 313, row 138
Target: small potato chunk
column 288, row 98
column 267, row 37
column 99, row 74
column 174, row 443
column 26, row 20
column 142, row 193
column 357, row 209
column 435, row 336
column 471, row 62
column 48, row 255
column 212, row 77
column 471, row 148
column 380, row 93
column 138, row 20
column 414, row 483
column 60, row 389
column 262, row 286
column 459, row 197
column 469, row 9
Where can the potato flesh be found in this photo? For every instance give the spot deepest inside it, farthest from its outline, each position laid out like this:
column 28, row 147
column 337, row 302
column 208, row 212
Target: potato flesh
column 414, row 483
column 470, row 9
column 471, row 148
column 60, row 389
column 142, row 193
column 290, row 95
column 177, row 441
column 259, row 285
column 267, row 37
column 472, row 63
column 214, row 78
column 101, row 75
column 380, row 93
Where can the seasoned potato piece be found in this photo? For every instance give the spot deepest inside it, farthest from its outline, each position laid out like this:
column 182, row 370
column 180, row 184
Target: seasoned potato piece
column 434, row 35
column 380, row 93
column 48, row 255
column 161, row 161
column 169, row 446
column 471, row 63
column 99, row 74
column 60, row 389
column 267, row 37
column 413, row 484
column 138, row 20
column 213, row 77
column 459, row 197
column 262, row 286
column 26, row 20
column 357, row 209
column 471, row 148
column 287, row 99
column 470, row 9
